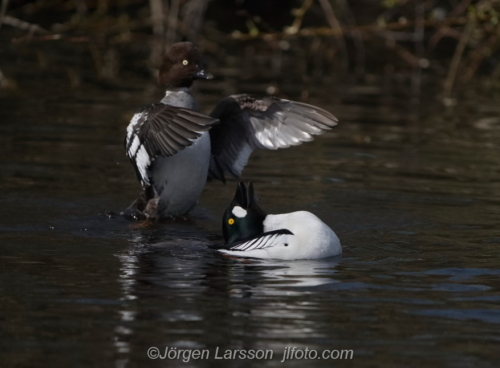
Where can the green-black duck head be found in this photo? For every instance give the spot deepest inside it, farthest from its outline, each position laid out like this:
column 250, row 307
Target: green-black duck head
column 243, row 219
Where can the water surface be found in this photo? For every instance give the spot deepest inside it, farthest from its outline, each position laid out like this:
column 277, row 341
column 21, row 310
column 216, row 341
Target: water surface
column 414, row 200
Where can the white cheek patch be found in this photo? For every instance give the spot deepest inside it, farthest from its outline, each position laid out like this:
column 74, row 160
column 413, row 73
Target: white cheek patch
column 239, row 212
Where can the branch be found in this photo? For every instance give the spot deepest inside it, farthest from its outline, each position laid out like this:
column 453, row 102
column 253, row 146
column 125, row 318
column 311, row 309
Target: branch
column 457, row 57
column 335, row 25
column 17, row 23
column 324, row 31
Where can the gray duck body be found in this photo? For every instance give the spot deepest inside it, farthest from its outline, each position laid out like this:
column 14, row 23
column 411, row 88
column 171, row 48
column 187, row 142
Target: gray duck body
column 180, row 179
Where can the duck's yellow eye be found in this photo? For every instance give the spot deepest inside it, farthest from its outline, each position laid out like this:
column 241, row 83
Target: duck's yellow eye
column 185, row 62
column 230, row 221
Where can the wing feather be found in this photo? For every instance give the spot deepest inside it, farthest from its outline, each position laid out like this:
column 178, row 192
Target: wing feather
column 248, row 122
column 265, row 240
column 162, row 130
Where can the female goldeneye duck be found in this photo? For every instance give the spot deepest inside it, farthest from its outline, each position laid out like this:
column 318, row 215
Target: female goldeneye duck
column 250, row 232
column 174, row 149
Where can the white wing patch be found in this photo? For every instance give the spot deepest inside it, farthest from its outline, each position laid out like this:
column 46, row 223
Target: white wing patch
column 266, row 240
column 239, row 212
column 137, row 152
column 134, row 147
column 132, row 125
column 143, row 161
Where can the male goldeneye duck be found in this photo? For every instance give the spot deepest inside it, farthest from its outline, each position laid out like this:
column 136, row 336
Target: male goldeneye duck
column 250, row 232
column 174, row 149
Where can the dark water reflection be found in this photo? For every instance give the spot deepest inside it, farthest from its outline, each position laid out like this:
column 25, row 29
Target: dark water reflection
column 414, row 202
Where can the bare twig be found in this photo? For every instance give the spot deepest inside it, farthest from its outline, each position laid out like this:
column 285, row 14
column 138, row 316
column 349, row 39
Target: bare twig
column 419, row 47
column 100, row 31
column 339, row 37
column 192, row 17
column 324, row 31
column 6, row 83
column 444, row 31
column 96, row 56
column 356, row 36
column 477, row 56
column 3, row 11
column 402, row 52
column 457, row 57
column 444, row 26
column 52, row 37
column 299, row 17
column 157, row 45
column 156, row 9
column 17, row 23
column 102, row 7
column 401, row 36
column 173, row 16
column 81, row 7
column 495, row 76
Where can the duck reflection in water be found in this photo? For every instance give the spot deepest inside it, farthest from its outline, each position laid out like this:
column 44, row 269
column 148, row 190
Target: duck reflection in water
column 197, row 298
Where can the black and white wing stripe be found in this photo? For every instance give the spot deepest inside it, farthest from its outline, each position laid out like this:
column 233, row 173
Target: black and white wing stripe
column 248, row 123
column 162, row 130
column 265, row 240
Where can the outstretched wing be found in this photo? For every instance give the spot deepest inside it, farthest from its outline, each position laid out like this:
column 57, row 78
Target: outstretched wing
column 162, row 130
column 265, row 240
column 248, row 123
